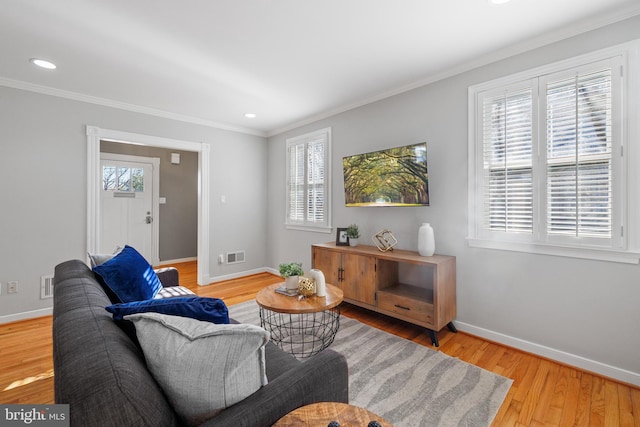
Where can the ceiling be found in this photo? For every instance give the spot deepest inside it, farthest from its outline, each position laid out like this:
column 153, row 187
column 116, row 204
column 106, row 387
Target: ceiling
column 287, row 61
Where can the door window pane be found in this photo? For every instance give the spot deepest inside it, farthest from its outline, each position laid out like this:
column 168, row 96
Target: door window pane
column 122, row 179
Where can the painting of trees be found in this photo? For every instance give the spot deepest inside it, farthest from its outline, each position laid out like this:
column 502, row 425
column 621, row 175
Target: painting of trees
column 393, row 177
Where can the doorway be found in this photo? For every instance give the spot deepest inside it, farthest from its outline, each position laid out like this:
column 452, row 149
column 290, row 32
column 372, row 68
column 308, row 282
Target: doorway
column 129, row 204
column 96, row 134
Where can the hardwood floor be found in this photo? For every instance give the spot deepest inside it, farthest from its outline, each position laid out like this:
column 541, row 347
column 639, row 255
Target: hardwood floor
column 544, row 393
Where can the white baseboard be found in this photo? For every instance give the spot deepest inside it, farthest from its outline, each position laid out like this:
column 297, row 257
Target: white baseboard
column 553, row 354
column 272, row 271
column 26, row 315
column 166, row 263
column 215, row 279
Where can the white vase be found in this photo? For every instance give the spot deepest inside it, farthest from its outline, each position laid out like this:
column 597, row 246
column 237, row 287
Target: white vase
column 292, row 282
column 353, row 241
column 426, row 241
column 321, row 285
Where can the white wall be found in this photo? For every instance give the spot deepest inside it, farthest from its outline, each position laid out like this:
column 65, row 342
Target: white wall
column 577, row 311
column 43, row 189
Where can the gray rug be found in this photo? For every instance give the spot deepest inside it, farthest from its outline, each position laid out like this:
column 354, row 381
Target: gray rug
column 406, row 383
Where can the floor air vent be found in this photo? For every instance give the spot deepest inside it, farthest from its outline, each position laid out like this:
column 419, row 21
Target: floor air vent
column 235, row 257
column 46, row 286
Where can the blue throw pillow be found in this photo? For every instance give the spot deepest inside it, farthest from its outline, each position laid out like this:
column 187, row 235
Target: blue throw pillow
column 129, row 276
column 212, row 310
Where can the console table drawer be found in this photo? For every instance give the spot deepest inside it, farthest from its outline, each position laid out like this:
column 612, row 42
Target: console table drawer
column 406, row 306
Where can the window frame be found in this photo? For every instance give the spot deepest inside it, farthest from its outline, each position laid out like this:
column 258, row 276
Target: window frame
column 625, row 181
column 305, row 140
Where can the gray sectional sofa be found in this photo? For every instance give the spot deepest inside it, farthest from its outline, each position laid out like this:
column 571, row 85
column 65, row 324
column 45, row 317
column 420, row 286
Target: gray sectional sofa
column 101, row 372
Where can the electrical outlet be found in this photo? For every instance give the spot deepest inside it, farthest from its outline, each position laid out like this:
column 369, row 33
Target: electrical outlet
column 220, row 259
column 12, row 287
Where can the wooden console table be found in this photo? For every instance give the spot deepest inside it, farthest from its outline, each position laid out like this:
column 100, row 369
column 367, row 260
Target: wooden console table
column 378, row 280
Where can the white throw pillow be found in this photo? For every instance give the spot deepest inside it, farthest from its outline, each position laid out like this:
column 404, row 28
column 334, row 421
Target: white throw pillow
column 202, row 367
column 174, row 291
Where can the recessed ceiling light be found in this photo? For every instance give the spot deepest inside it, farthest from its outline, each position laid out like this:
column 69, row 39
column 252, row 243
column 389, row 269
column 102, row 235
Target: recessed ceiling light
column 42, row 63
column 250, row 115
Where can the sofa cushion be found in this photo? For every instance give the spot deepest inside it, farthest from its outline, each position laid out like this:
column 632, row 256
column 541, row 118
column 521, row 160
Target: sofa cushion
column 129, row 276
column 98, row 369
column 202, row 367
column 200, row 308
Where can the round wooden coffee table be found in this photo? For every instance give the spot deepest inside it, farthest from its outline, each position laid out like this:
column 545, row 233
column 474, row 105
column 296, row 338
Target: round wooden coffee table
column 321, row 414
column 303, row 327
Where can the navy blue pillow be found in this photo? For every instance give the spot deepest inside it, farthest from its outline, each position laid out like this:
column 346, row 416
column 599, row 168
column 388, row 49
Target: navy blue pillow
column 129, row 276
column 200, row 308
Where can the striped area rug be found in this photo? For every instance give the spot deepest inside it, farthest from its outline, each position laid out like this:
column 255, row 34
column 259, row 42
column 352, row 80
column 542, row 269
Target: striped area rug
column 406, row 383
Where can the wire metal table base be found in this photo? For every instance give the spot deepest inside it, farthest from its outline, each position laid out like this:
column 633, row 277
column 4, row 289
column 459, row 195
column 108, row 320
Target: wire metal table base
column 303, row 335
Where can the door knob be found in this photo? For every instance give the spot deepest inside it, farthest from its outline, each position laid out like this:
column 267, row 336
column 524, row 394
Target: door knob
column 149, row 218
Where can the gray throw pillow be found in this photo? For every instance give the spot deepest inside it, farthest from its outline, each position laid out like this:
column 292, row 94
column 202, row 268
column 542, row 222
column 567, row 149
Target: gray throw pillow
column 202, row 367
column 99, row 259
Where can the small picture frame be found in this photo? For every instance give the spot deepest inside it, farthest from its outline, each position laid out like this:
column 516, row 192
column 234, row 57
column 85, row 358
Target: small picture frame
column 341, row 237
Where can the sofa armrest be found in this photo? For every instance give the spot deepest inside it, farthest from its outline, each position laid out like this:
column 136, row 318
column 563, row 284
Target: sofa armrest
column 168, row 276
column 322, row 378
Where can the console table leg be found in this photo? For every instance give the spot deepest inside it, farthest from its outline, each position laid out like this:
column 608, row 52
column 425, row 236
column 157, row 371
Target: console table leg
column 452, row 327
column 434, row 338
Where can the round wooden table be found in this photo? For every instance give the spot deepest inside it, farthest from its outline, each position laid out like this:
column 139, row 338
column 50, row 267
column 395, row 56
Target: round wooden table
column 321, row 414
column 302, row 327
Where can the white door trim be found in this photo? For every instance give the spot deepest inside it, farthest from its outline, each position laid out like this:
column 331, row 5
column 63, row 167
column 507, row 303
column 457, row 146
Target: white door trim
column 96, row 134
column 155, row 199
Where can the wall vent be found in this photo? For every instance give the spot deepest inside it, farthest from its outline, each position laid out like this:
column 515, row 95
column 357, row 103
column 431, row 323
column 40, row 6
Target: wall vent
column 235, row 257
column 46, row 286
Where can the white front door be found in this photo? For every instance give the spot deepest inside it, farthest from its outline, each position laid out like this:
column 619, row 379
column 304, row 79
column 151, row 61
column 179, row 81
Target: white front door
column 127, row 206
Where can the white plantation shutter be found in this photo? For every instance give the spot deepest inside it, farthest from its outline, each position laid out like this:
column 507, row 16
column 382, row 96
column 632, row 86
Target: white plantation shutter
column 296, row 182
column 315, row 181
column 579, row 155
column 507, row 146
column 547, row 171
column 308, row 180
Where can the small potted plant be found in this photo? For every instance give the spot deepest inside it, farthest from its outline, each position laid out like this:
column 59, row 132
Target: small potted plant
column 353, row 233
column 291, row 272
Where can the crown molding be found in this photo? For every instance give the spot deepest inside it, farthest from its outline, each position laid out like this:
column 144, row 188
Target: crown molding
column 75, row 96
column 518, row 48
column 513, row 50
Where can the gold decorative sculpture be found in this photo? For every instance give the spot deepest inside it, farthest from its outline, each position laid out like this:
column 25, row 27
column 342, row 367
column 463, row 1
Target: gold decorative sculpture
column 384, row 240
column 306, row 287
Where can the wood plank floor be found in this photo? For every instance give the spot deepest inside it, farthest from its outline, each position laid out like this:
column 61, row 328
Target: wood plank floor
column 544, row 393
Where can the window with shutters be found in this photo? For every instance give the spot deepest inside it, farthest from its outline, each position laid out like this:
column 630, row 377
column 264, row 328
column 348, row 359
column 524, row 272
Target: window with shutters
column 308, row 185
column 547, row 164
